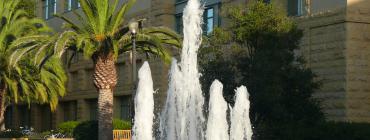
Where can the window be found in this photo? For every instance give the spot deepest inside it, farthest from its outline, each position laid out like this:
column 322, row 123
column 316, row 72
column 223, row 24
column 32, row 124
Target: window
column 208, row 20
column 180, row 1
column 46, row 117
column 93, row 108
column 179, row 24
column 25, row 116
column 295, row 7
column 211, row 18
column 9, row 117
column 49, row 8
column 125, row 108
column 70, row 110
column 72, row 4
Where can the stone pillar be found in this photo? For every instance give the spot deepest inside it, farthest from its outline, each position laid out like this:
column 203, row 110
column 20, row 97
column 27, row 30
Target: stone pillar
column 82, row 110
column 58, row 115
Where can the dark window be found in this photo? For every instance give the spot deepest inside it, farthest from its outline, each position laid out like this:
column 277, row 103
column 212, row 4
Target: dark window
column 25, row 114
column 180, row 0
column 46, row 118
column 295, row 7
column 125, row 108
column 9, row 117
column 70, row 111
column 49, row 8
column 179, row 24
column 93, row 108
column 72, row 4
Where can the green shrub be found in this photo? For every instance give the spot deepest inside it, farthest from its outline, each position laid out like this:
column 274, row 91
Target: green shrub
column 324, row 131
column 89, row 130
column 67, row 127
column 345, row 131
column 121, row 124
column 86, row 131
column 11, row 134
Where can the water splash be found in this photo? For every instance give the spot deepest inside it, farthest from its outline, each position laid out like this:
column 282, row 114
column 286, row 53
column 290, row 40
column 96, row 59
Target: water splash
column 183, row 118
column 217, row 125
column 183, row 115
column 241, row 127
column 144, row 105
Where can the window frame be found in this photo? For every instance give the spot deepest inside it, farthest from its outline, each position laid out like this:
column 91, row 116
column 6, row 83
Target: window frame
column 216, row 19
column 206, row 18
column 71, row 5
column 49, row 5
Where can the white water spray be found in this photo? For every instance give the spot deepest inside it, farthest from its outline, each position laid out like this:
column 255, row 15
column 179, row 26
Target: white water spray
column 241, row 127
column 182, row 117
column 217, row 125
column 144, row 105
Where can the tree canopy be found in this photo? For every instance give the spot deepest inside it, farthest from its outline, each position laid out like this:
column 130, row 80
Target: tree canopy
column 258, row 49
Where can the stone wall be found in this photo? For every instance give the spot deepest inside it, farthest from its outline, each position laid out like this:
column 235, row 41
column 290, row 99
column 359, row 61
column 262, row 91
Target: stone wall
column 336, row 45
column 358, row 60
column 324, row 48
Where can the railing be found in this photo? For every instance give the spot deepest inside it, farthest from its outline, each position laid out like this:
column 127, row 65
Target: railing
column 121, row 134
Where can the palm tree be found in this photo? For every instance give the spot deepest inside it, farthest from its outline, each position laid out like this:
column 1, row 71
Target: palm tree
column 102, row 35
column 25, row 82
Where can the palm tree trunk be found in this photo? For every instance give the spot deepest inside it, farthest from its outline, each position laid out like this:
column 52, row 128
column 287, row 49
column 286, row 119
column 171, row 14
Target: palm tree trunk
column 105, row 111
column 2, row 106
column 105, row 80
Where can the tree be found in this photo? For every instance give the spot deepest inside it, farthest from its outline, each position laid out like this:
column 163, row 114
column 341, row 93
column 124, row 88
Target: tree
column 101, row 34
column 25, row 82
column 258, row 49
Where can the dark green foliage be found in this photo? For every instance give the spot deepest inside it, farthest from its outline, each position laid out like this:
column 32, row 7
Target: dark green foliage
column 258, row 50
column 68, row 127
column 86, row 131
column 11, row 134
column 325, row 131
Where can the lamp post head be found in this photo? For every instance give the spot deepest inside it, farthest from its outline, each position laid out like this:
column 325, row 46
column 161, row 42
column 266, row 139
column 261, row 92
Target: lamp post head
column 133, row 26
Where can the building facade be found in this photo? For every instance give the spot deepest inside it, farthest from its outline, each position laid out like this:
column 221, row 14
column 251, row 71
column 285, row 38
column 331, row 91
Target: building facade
column 335, row 44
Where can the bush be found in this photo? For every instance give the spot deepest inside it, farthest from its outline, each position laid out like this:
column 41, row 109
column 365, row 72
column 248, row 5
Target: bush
column 67, row 127
column 89, row 130
column 121, row 124
column 324, row 131
column 86, row 131
column 11, row 134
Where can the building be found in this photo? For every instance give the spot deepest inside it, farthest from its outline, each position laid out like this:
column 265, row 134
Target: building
column 336, row 45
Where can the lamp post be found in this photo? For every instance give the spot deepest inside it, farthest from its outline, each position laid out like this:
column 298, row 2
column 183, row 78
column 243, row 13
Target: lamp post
column 133, row 26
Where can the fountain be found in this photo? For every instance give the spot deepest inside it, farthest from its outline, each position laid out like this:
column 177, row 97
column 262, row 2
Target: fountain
column 183, row 115
column 241, row 127
column 144, row 105
column 217, row 123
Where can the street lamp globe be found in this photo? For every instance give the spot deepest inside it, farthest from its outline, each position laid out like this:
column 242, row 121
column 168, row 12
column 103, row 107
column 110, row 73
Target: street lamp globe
column 133, row 26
